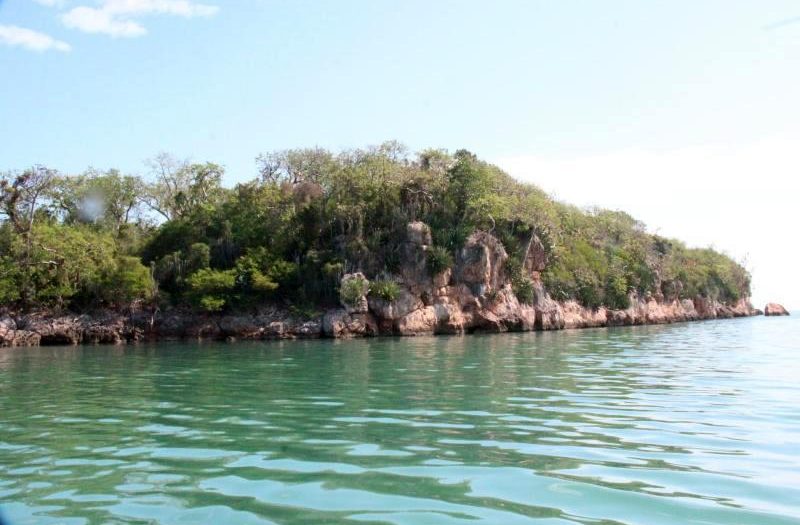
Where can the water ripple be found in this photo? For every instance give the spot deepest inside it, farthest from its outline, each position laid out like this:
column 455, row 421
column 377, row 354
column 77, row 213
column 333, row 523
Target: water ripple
column 694, row 423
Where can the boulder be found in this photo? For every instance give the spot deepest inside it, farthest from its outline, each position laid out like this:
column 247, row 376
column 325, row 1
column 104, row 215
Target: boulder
column 421, row 321
column 340, row 323
column 405, row 303
column 775, row 309
column 450, row 319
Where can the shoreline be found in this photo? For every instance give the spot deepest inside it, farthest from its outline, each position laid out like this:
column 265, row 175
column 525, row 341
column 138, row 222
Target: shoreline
column 117, row 328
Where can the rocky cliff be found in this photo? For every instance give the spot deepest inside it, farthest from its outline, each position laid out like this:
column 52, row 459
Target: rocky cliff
column 476, row 295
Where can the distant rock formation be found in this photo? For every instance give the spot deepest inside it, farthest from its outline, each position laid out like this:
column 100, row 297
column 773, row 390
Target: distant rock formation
column 775, row 309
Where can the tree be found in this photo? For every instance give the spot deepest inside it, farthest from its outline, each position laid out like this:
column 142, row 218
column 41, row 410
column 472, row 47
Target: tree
column 22, row 197
column 108, row 198
column 180, row 187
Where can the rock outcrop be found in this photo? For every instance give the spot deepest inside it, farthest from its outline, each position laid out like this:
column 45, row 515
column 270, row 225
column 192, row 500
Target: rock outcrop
column 359, row 304
column 340, row 323
column 10, row 335
column 774, row 309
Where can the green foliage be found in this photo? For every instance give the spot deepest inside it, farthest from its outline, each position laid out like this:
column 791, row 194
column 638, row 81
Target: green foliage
column 311, row 216
column 211, row 303
column 9, row 281
column 211, row 289
column 438, row 259
column 128, row 280
column 386, row 289
column 352, row 290
column 523, row 289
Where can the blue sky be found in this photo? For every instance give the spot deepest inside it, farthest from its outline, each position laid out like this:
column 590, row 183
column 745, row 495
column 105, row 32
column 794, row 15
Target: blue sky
column 591, row 100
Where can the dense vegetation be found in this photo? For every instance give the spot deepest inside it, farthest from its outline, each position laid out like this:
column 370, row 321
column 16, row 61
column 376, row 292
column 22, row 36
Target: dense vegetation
column 179, row 237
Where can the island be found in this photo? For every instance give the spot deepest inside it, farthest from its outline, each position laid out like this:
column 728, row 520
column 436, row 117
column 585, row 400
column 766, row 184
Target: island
column 365, row 242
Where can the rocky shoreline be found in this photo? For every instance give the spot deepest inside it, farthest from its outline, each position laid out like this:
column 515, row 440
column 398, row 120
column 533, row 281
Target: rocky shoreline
column 116, row 328
column 476, row 295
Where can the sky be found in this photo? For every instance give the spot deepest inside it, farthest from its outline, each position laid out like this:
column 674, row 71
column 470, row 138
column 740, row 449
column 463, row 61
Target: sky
column 683, row 113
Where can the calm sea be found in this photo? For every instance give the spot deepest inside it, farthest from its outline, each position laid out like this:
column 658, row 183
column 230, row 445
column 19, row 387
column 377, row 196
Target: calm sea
column 689, row 423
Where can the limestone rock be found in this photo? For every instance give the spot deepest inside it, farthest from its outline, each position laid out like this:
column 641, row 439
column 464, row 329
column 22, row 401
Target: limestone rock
column 62, row 330
column 341, row 324
column 360, row 305
column 10, row 335
column 421, row 321
column 775, row 309
column 481, row 263
column 405, row 303
column 535, row 256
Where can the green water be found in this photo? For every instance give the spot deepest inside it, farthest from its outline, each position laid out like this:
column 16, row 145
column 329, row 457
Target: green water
column 694, row 423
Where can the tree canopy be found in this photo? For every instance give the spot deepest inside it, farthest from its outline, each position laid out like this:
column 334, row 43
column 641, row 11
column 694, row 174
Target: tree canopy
column 178, row 236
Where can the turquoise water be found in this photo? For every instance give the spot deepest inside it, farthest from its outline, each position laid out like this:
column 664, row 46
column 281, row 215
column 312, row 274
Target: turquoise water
column 692, row 423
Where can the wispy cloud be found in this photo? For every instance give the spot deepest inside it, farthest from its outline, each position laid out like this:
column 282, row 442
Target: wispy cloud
column 120, row 18
column 782, row 23
column 16, row 36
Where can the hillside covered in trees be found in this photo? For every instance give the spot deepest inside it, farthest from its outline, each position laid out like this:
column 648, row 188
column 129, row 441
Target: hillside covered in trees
column 178, row 238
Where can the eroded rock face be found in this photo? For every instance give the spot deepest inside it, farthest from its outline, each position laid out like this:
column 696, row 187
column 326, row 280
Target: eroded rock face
column 509, row 312
column 419, row 322
column 61, row 330
column 775, row 309
column 405, row 303
column 10, row 335
column 535, row 256
column 481, row 263
column 549, row 313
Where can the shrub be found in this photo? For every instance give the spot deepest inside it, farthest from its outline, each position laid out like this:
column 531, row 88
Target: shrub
column 9, row 281
column 439, row 259
column 212, row 303
column 129, row 281
column 523, row 289
column 387, row 290
column 199, row 257
column 212, row 290
column 352, row 290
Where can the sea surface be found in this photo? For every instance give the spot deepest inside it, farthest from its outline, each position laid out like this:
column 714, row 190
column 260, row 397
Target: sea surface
column 686, row 423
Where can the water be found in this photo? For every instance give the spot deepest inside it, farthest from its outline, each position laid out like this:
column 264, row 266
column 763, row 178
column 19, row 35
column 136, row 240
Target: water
column 693, row 423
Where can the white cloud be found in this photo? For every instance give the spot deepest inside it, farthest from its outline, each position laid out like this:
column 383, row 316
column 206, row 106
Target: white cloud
column 119, row 18
column 29, row 39
column 738, row 198
column 90, row 20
